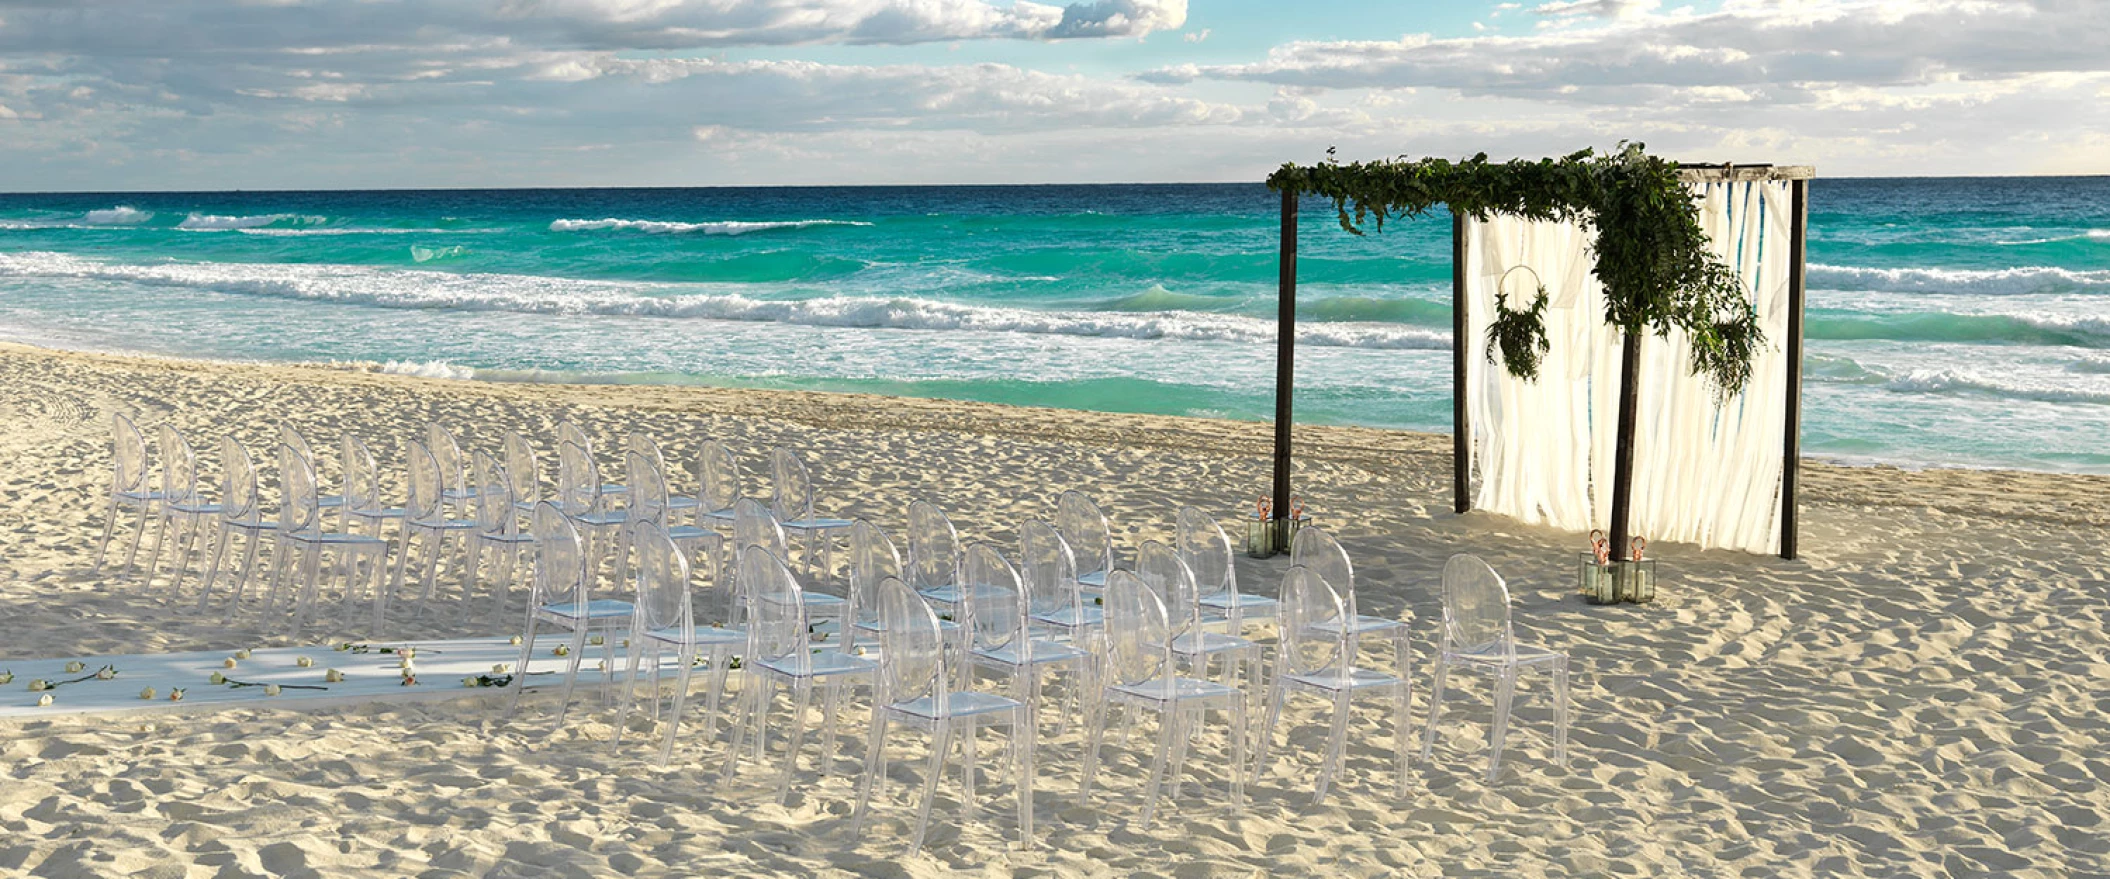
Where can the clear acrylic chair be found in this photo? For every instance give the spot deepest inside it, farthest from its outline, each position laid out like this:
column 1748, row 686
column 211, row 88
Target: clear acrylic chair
column 130, row 472
column 290, row 435
column 1090, row 537
column 562, row 597
column 241, row 514
column 1206, row 549
column 581, row 495
column 681, row 505
column 1001, row 632
column 1159, row 566
column 650, row 502
column 362, row 490
column 300, row 531
column 497, row 529
column 184, row 509
column 570, row 434
column 779, row 651
column 912, row 692
column 1314, row 548
column 1324, row 666
column 1477, row 636
column 933, row 555
column 1048, row 573
column 792, row 502
column 666, row 619
column 718, row 481
column 1138, row 673
column 454, row 467
column 523, row 472
column 427, row 518
column 755, row 525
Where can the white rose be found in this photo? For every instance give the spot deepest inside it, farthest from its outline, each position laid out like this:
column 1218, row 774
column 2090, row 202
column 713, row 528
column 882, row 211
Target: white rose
column 74, row 667
column 498, row 669
column 303, row 662
column 105, row 673
column 333, row 676
column 147, row 693
column 469, row 683
column 270, row 689
column 229, row 662
column 560, row 650
column 37, row 686
column 405, row 662
column 217, row 678
column 44, row 700
column 515, row 641
column 597, row 640
column 242, row 654
column 176, row 695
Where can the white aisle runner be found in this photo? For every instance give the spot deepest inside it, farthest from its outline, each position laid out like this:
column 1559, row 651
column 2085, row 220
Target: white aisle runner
column 370, row 675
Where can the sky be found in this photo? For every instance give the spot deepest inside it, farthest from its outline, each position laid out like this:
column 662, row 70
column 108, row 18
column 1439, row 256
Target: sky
column 122, row 95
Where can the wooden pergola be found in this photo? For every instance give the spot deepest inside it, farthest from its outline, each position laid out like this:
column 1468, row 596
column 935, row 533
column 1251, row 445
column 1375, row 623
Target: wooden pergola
column 1798, row 178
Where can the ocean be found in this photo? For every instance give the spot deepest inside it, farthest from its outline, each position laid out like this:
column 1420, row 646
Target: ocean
column 1952, row 322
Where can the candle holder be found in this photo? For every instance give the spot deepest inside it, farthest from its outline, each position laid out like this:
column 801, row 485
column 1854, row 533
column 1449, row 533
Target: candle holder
column 1261, row 534
column 1617, row 581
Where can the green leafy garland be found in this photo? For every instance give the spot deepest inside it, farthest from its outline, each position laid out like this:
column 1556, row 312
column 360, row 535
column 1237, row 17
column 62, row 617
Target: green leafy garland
column 1652, row 255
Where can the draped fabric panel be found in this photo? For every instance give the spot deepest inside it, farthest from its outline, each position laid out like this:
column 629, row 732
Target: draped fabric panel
column 1543, row 450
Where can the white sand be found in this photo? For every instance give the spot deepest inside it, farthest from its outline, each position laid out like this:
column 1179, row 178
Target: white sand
column 1919, row 694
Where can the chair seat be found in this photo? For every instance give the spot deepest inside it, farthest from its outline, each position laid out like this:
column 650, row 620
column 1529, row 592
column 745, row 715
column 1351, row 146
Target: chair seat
column 609, row 519
column 1210, row 643
column 692, row 534
column 954, row 594
column 501, row 537
column 597, row 609
column 683, row 502
column 330, row 501
column 328, row 538
column 1361, row 626
column 1491, row 655
column 816, row 524
column 1241, row 601
column 1073, row 617
column 822, row 664
column 377, row 512
column 873, row 625
column 1094, row 579
column 453, row 494
column 1044, row 653
column 824, row 600
column 1177, row 690
column 965, row 703
column 139, row 496
column 255, row 524
column 443, row 524
column 195, row 509
column 705, row 636
column 1353, row 679
column 725, row 515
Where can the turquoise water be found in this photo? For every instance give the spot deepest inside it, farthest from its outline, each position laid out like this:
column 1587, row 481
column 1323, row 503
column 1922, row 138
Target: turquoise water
column 1951, row 322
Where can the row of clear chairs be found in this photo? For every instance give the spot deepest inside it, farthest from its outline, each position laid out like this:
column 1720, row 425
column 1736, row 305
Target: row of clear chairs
column 1132, row 664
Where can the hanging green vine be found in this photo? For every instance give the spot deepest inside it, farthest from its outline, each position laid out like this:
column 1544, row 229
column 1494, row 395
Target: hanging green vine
column 1652, row 256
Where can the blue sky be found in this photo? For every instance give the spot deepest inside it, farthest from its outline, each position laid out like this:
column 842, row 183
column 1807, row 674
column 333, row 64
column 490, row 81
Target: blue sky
column 212, row 94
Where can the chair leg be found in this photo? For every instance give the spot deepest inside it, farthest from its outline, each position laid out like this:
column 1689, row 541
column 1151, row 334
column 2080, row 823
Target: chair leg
column 802, row 699
column 1336, row 742
column 520, row 667
column 1026, row 730
column 1560, row 710
column 940, row 742
column 1276, row 696
column 1402, row 718
column 161, row 530
column 571, row 672
column 1168, row 731
column 109, row 530
column 212, row 571
column 681, row 698
column 1238, row 765
column 1505, row 696
column 1428, row 732
column 139, row 530
column 827, row 732
column 875, row 744
column 1096, row 733
column 622, row 715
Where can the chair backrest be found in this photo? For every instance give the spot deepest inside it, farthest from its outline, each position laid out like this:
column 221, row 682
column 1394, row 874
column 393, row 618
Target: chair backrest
column 1308, row 601
column 648, row 487
column 662, row 584
column 523, row 471
column 453, row 467
column 179, row 467
column 1206, row 549
column 1317, row 550
column 911, row 647
column 995, row 609
column 494, row 496
column 718, row 474
column 291, row 436
column 1048, row 571
column 873, row 560
column 776, row 611
column 791, row 489
column 362, row 478
column 302, row 512
column 1138, row 641
column 578, row 480
column 569, row 432
column 1160, row 568
column 1086, row 528
column 424, row 503
column 560, row 558
column 933, row 547
column 755, row 525
column 1475, row 606
column 238, row 490
column 128, row 459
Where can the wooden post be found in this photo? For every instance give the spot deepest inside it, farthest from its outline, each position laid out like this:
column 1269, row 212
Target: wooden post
column 1623, row 458
column 1285, row 366
column 1461, row 417
column 1791, row 446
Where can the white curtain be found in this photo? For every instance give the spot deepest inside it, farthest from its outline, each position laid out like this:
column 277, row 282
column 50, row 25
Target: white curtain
column 1543, row 450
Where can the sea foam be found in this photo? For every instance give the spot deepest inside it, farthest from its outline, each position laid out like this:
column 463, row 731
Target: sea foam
column 666, row 227
column 122, row 215
column 215, row 223
column 1982, row 282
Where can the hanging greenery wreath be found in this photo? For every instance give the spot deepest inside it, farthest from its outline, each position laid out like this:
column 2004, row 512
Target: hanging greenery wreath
column 1651, row 254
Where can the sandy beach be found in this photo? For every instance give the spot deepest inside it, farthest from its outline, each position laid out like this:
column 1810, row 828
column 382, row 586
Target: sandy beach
column 1921, row 693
